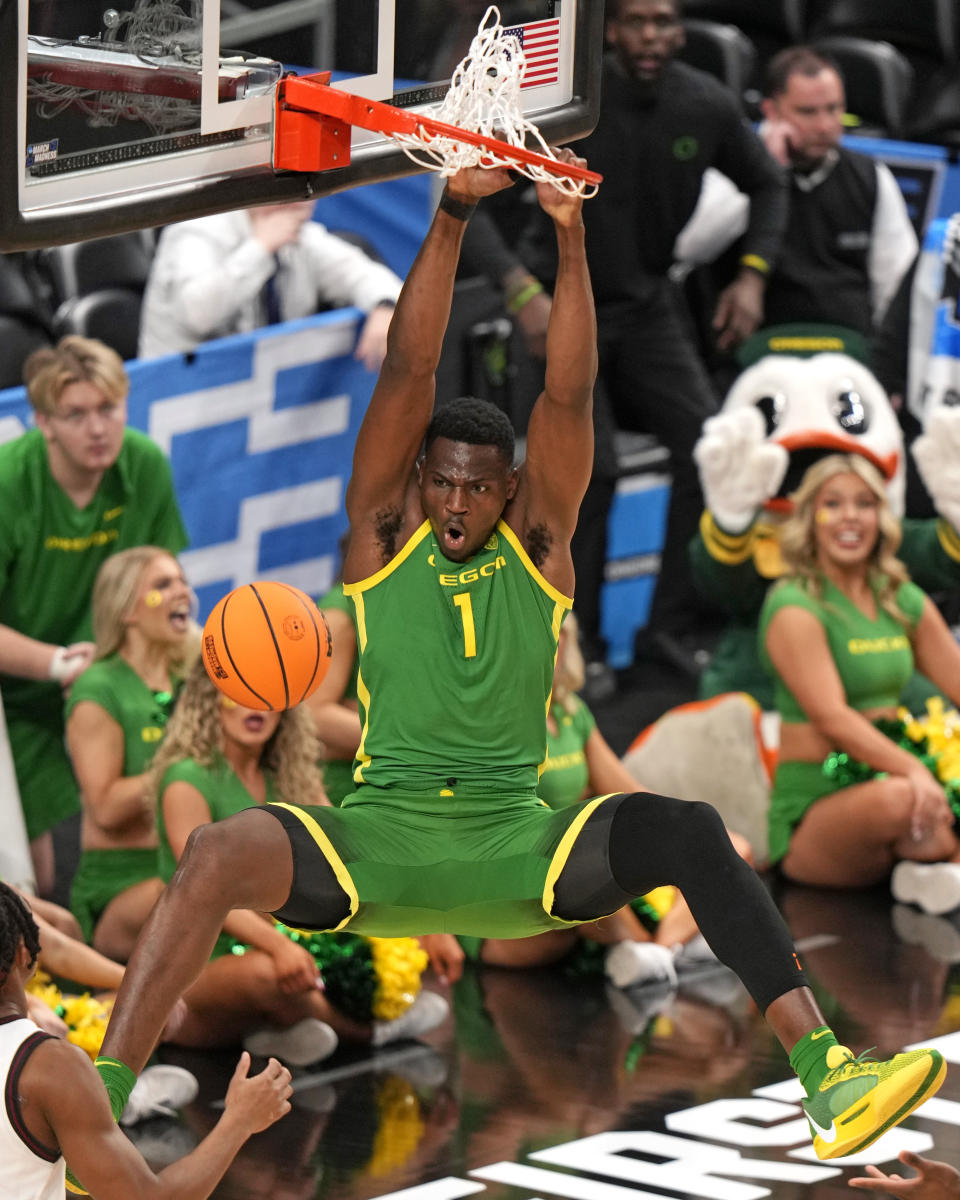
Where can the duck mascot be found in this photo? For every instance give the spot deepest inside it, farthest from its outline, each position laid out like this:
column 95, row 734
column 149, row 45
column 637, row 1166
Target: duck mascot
column 804, row 400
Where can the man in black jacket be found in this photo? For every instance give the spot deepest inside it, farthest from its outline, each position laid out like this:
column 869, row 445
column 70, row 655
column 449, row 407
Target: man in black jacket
column 662, row 124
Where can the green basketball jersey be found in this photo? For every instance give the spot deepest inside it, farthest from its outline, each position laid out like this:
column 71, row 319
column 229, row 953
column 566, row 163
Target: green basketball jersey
column 456, row 667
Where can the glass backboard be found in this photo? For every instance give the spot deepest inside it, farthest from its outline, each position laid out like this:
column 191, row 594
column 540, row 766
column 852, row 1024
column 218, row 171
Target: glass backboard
column 125, row 117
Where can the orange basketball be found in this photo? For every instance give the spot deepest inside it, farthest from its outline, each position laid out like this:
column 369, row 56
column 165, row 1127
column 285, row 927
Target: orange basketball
column 266, row 646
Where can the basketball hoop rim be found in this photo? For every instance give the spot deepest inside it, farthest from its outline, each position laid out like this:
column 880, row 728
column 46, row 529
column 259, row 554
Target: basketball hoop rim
column 300, row 96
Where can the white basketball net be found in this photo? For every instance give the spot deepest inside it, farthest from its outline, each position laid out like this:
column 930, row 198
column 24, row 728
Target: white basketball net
column 484, row 97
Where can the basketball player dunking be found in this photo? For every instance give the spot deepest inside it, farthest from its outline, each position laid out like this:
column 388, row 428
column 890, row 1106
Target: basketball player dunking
column 459, row 566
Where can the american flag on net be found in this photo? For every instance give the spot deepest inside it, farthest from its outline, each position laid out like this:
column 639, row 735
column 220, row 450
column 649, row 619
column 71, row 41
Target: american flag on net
column 541, row 48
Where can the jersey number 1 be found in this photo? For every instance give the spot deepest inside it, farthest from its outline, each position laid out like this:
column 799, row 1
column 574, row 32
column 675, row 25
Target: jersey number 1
column 462, row 601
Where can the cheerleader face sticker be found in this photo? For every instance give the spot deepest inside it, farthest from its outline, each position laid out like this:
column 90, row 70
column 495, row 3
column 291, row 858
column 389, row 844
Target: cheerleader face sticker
column 162, row 608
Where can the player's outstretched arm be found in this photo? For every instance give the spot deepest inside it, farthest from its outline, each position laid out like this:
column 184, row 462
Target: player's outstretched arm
column 560, row 434
column 402, row 403
column 933, row 1181
column 63, row 1086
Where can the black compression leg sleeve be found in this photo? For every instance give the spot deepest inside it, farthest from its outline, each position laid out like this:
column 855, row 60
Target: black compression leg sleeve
column 656, row 840
column 316, row 900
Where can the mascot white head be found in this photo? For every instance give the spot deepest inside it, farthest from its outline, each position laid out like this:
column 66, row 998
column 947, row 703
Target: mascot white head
column 934, row 373
column 780, row 416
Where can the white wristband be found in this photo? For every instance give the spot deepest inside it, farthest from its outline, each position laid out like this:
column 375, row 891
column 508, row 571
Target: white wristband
column 60, row 667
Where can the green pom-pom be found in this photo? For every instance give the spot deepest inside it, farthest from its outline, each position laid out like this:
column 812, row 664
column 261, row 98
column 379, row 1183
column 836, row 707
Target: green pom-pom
column 344, row 961
column 845, row 771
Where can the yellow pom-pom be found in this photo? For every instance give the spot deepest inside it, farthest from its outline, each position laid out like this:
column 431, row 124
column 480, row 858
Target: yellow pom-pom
column 85, row 1018
column 662, row 899
column 399, row 1128
column 399, row 963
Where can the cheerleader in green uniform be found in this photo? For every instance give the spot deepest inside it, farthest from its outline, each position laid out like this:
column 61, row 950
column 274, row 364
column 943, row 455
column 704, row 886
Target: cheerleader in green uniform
column 116, row 714
column 841, row 634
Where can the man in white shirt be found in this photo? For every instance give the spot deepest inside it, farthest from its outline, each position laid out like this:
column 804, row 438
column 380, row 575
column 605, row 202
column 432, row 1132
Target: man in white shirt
column 238, row 271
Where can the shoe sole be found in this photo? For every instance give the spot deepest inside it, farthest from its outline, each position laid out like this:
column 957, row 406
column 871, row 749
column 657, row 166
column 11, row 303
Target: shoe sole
column 181, row 1089
column 855, row 1143
column 428, row 1012
column 624, row 971
column 307, row 1042
column 936, row 892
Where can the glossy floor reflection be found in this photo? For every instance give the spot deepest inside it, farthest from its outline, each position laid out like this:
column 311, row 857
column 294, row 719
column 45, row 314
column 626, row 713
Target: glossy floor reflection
column 669, row 1088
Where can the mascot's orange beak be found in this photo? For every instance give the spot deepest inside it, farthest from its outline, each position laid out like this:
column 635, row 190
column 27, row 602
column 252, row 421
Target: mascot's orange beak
column 818, row 440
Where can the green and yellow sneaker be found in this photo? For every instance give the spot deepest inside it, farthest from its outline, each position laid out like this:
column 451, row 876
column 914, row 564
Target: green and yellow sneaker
column 860, row 1098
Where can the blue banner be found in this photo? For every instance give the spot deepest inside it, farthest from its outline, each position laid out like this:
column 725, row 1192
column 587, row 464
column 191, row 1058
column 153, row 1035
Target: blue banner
column 259, row 430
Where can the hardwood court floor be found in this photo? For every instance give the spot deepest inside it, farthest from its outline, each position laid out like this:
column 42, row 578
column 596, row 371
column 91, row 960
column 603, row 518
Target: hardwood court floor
column 543, row 1085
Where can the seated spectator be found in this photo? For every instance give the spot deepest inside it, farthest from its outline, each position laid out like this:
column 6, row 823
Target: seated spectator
column 238, row 271
column 116, row 714
column 75, row 490
column 217, row 760
column 841, row 634
column 62, row 952
column 849, row 239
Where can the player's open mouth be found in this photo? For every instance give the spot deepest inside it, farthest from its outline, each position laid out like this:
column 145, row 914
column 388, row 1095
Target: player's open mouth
column 253, row 723
column 453, row 536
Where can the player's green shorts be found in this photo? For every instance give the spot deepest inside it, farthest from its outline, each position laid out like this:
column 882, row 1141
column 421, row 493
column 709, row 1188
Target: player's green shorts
column 416, row 863
column 103, row 874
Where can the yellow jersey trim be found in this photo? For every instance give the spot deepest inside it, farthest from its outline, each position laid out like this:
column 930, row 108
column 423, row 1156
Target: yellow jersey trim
column 729, row 548
column 363, row 695
column 364, row 585
column 949, row 539
column 565, row 601
column 363, row 758
column 562, row 853
column 756, row 262
column 559, row 612
column 326, row 848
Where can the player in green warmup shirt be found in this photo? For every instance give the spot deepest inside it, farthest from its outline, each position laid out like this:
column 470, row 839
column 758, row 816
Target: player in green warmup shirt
column 116, row 717
column 460, row 570
column 73, row 491
column 842, row 633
